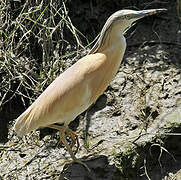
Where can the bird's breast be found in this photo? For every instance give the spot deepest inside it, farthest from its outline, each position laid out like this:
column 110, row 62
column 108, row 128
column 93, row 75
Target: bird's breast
column 114, row 52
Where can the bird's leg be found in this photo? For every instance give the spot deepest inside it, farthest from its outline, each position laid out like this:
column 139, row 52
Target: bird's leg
column 69, row 132
column 74, row 138
column 62, row 131
column 64, row 141
column 59, row 128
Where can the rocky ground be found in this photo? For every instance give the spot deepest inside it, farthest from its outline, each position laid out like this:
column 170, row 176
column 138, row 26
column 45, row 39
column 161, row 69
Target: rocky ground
column 133, row 131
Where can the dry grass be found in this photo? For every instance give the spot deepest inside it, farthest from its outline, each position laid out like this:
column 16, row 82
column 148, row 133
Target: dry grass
column 33, row 46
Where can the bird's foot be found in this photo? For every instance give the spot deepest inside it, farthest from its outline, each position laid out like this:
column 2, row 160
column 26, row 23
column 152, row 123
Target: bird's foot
column 74, row 138
column 66, row 132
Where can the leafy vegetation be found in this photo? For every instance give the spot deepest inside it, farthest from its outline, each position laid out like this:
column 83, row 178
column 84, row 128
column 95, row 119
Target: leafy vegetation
column 33, row 49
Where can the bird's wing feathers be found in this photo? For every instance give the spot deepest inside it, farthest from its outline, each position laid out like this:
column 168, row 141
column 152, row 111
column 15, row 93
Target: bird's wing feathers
column 66, row 97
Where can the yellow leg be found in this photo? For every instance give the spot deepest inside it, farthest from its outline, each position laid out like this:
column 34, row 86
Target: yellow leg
column 62, row 131
column 74, row 138
column 69, row 132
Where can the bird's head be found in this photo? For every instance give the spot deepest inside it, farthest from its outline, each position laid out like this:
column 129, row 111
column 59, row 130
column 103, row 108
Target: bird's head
column 121, row 20
column 125, row 18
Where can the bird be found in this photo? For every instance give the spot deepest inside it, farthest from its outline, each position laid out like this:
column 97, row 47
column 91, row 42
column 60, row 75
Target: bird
column 78, row 87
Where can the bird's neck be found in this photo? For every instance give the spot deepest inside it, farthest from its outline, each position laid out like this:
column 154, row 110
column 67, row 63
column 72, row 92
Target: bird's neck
column 114, row 44
column 114, row 47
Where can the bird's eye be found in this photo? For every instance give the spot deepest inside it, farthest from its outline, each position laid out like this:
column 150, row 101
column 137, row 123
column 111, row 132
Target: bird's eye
column 128, row 16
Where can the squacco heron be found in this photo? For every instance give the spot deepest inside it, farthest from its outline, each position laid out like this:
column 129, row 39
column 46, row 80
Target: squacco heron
column 80, row 85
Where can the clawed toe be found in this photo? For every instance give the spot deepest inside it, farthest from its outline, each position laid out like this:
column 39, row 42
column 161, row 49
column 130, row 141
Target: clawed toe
column 66, row 132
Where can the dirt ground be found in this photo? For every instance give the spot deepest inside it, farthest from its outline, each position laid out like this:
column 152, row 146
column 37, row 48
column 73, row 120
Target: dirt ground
column 133, row 131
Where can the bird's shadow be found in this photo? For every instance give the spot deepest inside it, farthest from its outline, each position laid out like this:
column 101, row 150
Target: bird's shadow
column 99, row 167
column 97, row 106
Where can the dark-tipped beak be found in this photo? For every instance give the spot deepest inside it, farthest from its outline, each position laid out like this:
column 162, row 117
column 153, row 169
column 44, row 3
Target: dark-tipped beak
column 143, row 13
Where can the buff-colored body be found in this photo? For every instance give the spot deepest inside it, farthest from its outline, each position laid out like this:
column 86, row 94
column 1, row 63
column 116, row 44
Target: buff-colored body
column 75, row 89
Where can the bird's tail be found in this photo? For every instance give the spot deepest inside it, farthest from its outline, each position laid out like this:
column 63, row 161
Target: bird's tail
column 23, row 123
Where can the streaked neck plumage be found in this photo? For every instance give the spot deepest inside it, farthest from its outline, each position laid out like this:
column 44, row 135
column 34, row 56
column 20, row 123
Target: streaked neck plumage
column 114, row 42
column 111, row 42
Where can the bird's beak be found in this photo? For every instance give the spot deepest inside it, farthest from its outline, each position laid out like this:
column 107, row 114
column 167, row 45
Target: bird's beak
column 143, row 13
